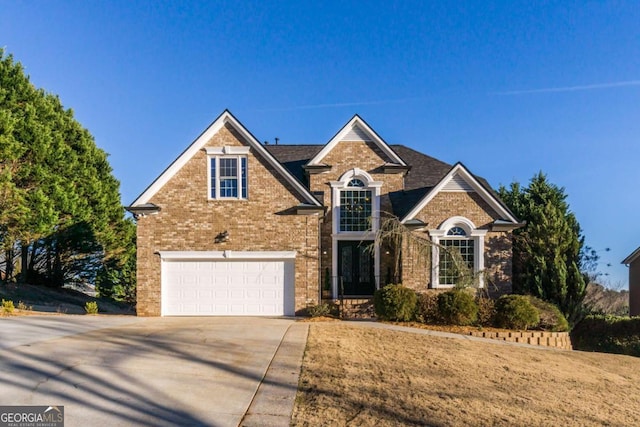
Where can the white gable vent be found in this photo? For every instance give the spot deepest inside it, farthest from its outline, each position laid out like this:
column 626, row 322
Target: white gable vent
column 356, row 134
column 458, row 183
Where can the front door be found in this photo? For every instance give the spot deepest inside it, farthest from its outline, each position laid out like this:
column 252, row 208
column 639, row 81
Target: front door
column 355, row 268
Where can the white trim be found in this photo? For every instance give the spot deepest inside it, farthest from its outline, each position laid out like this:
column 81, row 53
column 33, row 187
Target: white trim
column 354, row 173
column 632, row 257
column 225, row 255
column 457, row 221
column 375, row 138
column 337, row 235
column 216, row 158
column 370, row 184
column 218, row 151
column 477, row 235
column 204, row 138
column 473, row 182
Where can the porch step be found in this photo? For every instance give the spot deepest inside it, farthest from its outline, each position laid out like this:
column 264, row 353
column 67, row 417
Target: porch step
column 357, row 308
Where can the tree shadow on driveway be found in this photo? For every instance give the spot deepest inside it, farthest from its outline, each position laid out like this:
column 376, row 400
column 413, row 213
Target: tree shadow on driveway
column 196, row 371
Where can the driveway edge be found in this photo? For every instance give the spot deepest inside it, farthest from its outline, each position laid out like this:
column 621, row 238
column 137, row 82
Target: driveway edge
column 273, row 402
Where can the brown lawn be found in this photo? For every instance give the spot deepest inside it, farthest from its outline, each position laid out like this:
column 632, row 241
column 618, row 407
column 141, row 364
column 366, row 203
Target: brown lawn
column 354, row 375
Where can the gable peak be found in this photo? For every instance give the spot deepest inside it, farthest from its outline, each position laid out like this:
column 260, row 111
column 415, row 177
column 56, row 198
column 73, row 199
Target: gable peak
column 357, row 129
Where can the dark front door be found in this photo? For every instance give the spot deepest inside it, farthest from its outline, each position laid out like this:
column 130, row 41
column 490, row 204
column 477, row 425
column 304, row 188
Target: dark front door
column 355, row 268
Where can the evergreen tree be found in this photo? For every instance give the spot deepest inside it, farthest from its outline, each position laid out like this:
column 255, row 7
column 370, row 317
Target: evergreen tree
column 547, row 251
column 61, row 220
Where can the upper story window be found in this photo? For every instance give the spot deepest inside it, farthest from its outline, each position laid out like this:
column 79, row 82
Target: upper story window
column 355, row 200
column 228, row 173
column 355, row 210
column 456, row 231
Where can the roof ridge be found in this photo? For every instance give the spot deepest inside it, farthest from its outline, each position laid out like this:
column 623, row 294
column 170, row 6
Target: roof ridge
column 290, row 145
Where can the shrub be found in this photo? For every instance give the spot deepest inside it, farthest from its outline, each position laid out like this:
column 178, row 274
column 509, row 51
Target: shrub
column 7, row 307
column 486, row 310
column 457, row 307
column 607, row 334
column 395, row 302
column 24, row 307
column 551, row 319
column 320, row 310
column 427, row 308
column 91, row 307
column 516, row 312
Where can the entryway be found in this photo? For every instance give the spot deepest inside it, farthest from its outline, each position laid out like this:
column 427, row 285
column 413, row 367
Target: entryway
column 356, row 273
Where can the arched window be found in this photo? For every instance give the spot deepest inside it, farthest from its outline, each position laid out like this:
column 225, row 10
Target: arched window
column 356, row 182
column 459, row 251
column 456, row 231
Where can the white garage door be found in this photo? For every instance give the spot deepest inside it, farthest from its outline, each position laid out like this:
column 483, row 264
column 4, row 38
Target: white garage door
column 227, row 283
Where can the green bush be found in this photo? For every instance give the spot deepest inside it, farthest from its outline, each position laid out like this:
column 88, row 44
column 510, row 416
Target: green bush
column 457, row 307
column 516, row 312
column 427, row 308
column 551, row 318
column 607, row 334
column 91, row 307
column 486, row 310
column 320, row 310
column 395, row 302
column 7, row 307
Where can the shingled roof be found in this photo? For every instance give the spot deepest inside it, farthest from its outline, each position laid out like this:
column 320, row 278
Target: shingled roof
column 426, row 172
column 294, row 157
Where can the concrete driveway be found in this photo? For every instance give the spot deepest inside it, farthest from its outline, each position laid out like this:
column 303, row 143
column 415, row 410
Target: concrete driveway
column 143, row 371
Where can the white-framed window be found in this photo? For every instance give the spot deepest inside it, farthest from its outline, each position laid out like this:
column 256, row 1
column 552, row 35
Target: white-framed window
column 457, row 254
column 457, row 244
column 355, row 207
column 228, row 173
column 356, row 201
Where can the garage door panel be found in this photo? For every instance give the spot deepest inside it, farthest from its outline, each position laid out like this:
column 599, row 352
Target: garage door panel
column 234, row 280
column 253, row 294
column 269, row 294
column 220, row 294
column 221, row 287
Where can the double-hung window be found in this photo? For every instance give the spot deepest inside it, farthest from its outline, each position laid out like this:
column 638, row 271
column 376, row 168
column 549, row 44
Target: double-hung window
column 228, row 175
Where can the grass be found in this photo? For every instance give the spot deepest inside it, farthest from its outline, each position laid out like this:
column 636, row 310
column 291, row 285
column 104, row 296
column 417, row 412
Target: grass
column 354, row 375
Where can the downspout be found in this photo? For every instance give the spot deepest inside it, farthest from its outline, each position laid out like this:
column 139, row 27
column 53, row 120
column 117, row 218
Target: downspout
column 320, row 222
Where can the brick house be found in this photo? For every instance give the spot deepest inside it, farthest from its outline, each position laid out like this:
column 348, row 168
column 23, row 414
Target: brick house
column 633, row 262
column 236, row 227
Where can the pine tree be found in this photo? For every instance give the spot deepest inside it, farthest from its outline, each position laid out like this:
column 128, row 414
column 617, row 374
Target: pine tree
column 61, row 219
column 547, row 251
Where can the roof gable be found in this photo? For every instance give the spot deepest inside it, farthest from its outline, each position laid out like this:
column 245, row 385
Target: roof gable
column 225, row 118
column 357, row 130
column 460, row 179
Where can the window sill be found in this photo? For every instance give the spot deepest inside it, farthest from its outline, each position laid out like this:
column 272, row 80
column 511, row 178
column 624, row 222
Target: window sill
column 442, row 286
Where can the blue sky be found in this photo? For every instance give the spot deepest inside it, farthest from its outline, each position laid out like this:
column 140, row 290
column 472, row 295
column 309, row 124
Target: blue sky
column 509, row 88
